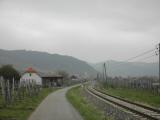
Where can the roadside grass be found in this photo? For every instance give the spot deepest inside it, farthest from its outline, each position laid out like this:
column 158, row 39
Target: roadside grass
column 86, row 109
column 140, row 96
column 21, row 110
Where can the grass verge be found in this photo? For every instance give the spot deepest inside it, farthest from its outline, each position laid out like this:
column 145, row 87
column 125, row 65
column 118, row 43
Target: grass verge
column 20, row 110
column 86, row 109
column 140, row 96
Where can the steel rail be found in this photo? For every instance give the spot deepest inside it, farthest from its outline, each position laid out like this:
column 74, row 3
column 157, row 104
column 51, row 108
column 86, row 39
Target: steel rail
column 148, row 114
column 128, row 101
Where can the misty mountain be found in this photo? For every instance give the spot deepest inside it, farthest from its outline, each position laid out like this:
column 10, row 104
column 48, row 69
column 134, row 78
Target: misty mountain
column 116, row 68
column 44, row 62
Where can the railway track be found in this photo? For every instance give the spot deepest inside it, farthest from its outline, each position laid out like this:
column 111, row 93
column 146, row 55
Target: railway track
column 138, row 109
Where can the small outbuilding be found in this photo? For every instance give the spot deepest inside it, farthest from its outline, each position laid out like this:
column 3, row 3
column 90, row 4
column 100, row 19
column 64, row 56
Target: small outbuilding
column 52, row 81
column 31, row 76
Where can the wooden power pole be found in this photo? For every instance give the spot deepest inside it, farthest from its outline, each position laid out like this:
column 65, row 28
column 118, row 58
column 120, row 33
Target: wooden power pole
column 105, row 72
column 159, row 65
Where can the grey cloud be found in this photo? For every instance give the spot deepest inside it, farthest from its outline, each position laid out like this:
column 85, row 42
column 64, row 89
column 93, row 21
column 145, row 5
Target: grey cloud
column 92, row 30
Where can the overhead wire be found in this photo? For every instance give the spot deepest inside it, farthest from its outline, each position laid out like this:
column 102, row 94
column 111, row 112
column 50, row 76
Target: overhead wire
column 142, row 54
column 148, row 57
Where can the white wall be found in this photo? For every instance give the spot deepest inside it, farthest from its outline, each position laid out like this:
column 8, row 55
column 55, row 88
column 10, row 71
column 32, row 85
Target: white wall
column 29, row 77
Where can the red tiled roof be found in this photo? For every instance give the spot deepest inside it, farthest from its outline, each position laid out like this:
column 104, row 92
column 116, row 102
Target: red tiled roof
column 30, row 70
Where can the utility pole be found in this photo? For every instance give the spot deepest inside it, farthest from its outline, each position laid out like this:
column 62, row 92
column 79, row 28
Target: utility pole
column 97, row 76
column 159, row 65
column 105, row 72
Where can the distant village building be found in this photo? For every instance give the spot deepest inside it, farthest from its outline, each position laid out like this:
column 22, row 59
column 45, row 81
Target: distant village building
column 79, row 77
column 75, row 77
column 31, row 76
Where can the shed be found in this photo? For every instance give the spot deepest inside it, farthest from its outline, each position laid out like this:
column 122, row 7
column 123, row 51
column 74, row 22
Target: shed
column 52, row 80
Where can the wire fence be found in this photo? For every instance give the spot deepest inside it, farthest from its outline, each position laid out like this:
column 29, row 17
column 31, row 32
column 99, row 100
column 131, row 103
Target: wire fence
column 143, row 83
column 13, row 90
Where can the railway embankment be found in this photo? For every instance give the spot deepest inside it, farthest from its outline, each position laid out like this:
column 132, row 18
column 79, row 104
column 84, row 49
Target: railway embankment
column 121, row 109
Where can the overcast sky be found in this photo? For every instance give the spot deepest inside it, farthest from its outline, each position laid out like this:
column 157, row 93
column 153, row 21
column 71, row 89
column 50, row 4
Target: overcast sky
column 91, row 30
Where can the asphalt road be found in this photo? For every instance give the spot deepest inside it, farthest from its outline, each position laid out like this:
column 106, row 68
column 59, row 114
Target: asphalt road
column 56, row 107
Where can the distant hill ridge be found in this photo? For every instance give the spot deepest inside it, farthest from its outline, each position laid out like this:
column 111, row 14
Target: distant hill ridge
column 44, row 62
column 134, row 69
column 48, row 63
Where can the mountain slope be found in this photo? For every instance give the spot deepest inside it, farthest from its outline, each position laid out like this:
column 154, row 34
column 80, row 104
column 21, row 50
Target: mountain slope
column 44, row 62
column 115, row 68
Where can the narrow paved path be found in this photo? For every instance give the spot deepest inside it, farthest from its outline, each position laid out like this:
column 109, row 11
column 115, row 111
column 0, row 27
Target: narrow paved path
column 56, row 107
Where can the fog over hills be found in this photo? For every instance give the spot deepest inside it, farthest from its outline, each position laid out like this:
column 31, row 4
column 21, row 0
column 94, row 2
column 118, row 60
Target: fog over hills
column 116, row 68
column 44, row 62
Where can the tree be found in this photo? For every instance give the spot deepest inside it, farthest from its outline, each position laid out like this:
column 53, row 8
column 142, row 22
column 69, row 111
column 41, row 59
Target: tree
column 8, row 72
column 65, row 76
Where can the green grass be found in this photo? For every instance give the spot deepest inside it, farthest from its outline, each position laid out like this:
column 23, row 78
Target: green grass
column 21, row 110
column 140, row 96
column 86, row 109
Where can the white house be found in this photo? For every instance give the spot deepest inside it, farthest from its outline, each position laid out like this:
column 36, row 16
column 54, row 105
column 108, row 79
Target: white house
column 31, row 76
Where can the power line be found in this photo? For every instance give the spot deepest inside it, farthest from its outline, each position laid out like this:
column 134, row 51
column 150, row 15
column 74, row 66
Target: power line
column 151, row 56
column 142, row 54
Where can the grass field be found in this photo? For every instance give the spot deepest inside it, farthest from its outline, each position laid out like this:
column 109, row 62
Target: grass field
column 140, row 96
column 87, row 110
column 20, row 110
